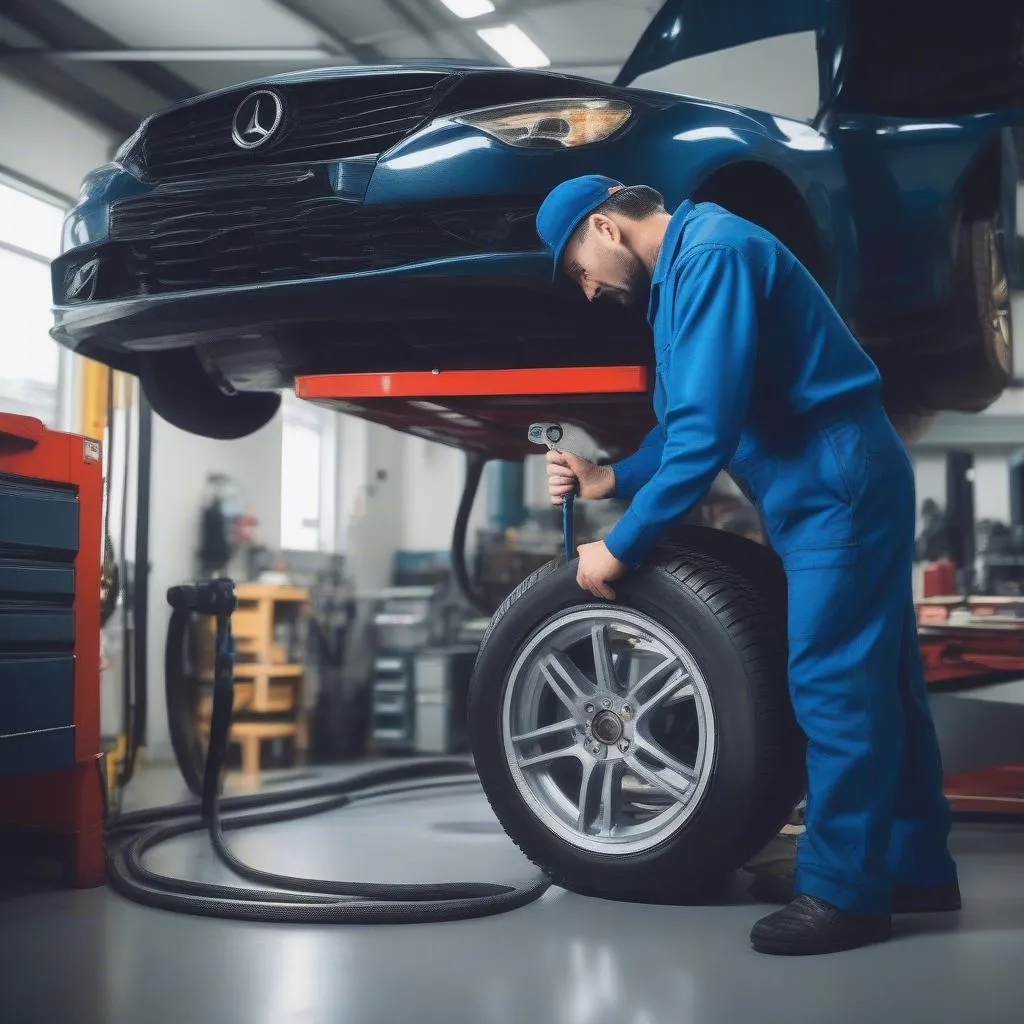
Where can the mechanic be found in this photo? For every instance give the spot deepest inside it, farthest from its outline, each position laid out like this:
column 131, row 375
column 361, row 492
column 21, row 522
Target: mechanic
column 757, row 374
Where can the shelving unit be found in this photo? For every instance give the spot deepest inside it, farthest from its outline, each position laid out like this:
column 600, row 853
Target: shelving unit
column 268, row 693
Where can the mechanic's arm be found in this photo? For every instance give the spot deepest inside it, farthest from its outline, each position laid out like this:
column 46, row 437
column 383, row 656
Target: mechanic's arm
column 632, row 472
column 709, row 368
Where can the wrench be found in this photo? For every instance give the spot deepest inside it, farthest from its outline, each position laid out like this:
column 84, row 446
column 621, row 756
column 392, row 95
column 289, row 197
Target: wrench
column 562, row 437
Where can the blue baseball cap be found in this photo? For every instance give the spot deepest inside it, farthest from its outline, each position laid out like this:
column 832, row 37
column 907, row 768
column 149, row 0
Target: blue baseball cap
column 565, row 207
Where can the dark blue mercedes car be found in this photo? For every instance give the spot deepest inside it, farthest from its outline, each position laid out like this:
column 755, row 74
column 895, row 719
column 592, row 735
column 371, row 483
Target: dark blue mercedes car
column 382, row 218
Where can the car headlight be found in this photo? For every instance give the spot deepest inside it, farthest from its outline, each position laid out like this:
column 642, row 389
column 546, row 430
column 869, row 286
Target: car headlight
column 551, row 124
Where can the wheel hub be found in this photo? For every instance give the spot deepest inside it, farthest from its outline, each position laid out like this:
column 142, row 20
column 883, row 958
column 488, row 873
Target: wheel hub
column 607, row 727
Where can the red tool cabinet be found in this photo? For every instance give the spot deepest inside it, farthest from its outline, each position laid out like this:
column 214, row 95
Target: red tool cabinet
column 51, row 782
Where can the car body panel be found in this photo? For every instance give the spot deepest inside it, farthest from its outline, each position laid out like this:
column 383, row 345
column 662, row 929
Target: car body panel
column 880, row 195
column 916, row 51
column 674, row 150
column 691, row 28
column 905, row 187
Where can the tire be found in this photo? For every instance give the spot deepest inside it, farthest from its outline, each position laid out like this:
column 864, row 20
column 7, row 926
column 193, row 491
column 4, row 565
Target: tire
column 734, row 635
column 182, row 393
column 958, row 358
column 971, row 377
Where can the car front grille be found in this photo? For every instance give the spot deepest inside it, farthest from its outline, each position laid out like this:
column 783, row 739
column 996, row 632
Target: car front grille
column 285, row 228
column 325, row 119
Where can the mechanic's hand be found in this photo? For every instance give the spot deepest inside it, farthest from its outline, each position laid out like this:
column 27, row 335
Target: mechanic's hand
column 597, row 568
column 565, row 469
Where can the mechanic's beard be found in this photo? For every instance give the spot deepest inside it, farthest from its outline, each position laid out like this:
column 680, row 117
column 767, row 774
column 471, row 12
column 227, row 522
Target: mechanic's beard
column 637, row 280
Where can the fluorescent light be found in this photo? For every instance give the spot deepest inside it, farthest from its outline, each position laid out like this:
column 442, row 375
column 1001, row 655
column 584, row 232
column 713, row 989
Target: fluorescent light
column 512, row 44
column 469, row 8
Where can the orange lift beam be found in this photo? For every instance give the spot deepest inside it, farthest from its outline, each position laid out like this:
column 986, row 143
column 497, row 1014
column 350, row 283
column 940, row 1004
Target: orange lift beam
column 562, row 380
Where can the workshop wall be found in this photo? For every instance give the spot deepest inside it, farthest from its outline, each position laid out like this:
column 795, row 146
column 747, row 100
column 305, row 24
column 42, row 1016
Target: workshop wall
column 45, row 144
column 403, row 493
column 376, row 528
column 432, row 477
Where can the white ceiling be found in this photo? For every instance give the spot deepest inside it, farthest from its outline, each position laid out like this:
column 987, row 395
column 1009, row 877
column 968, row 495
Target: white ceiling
column 181, row 23
column 595, row 34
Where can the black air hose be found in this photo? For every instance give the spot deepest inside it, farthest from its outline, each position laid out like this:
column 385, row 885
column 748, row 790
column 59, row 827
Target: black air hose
column 475, row 465
column 181, row 693
column 305, row 900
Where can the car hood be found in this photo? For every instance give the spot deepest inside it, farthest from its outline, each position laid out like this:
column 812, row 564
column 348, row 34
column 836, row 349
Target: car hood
column 689, row 28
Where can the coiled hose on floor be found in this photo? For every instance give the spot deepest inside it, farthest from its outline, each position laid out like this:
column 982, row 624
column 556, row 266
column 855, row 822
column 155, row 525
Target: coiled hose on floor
column 292, row 899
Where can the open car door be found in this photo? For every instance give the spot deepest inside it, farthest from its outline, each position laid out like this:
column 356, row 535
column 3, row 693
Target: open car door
column 689, row 28
column 917, row 58
column 894, row 58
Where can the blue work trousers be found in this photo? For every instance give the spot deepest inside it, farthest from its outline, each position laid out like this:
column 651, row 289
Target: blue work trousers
column 876, row 813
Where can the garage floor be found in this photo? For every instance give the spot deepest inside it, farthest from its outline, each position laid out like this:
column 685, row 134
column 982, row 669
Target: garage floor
column 94, row 957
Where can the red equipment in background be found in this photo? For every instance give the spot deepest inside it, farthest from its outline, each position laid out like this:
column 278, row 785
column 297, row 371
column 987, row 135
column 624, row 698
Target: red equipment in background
column 52, row 792
column 938, row 578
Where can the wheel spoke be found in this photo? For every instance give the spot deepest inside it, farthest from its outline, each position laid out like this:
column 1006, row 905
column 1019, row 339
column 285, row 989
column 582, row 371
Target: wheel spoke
column 654, row 752
column 655, row 675
column 671, row 777
column 552, row 755
column 591, row 774
column 546, row 730
column 611, row 796
column 568, row 682
column 604, row 666
column 677, row 686
column 600, row 796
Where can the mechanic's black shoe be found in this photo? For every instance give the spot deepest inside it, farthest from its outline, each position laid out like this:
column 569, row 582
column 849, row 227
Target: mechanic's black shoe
column 809, row 926
column 906, row 899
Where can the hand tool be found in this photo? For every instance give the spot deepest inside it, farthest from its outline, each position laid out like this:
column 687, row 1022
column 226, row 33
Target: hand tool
column 562, row 437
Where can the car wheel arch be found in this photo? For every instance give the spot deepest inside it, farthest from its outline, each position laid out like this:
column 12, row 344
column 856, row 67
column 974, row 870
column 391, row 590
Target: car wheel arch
column 979, row 190
column 761, row 193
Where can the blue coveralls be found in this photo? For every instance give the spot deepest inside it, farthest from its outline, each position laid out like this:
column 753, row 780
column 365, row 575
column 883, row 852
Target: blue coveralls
column 758, row 374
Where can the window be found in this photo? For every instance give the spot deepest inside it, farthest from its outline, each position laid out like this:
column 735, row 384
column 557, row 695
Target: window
column 32, row 365
column 308, row 457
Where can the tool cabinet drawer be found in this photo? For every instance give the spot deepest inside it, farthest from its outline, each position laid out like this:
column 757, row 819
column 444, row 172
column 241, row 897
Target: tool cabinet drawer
column 36, row 580
column 48, row 750
column 36, row 692
column 37, row 517
column 24, row 627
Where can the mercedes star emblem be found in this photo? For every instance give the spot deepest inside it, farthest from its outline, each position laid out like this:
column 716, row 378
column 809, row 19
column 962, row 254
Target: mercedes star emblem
column 256, row 119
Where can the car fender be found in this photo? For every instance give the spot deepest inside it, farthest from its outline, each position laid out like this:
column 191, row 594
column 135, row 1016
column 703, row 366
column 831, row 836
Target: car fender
column 795, row 154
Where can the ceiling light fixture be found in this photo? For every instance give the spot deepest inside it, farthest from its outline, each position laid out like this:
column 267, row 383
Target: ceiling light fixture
column 513, row 45
column 469, row 8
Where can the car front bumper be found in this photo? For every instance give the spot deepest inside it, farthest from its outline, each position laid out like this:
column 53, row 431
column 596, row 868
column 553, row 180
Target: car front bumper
column 445, row 163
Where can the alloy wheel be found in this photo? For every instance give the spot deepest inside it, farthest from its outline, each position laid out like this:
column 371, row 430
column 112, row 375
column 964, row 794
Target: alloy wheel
column 608, row 729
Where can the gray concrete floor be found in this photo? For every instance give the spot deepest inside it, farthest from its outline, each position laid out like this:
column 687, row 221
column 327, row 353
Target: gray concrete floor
column 92, row 956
